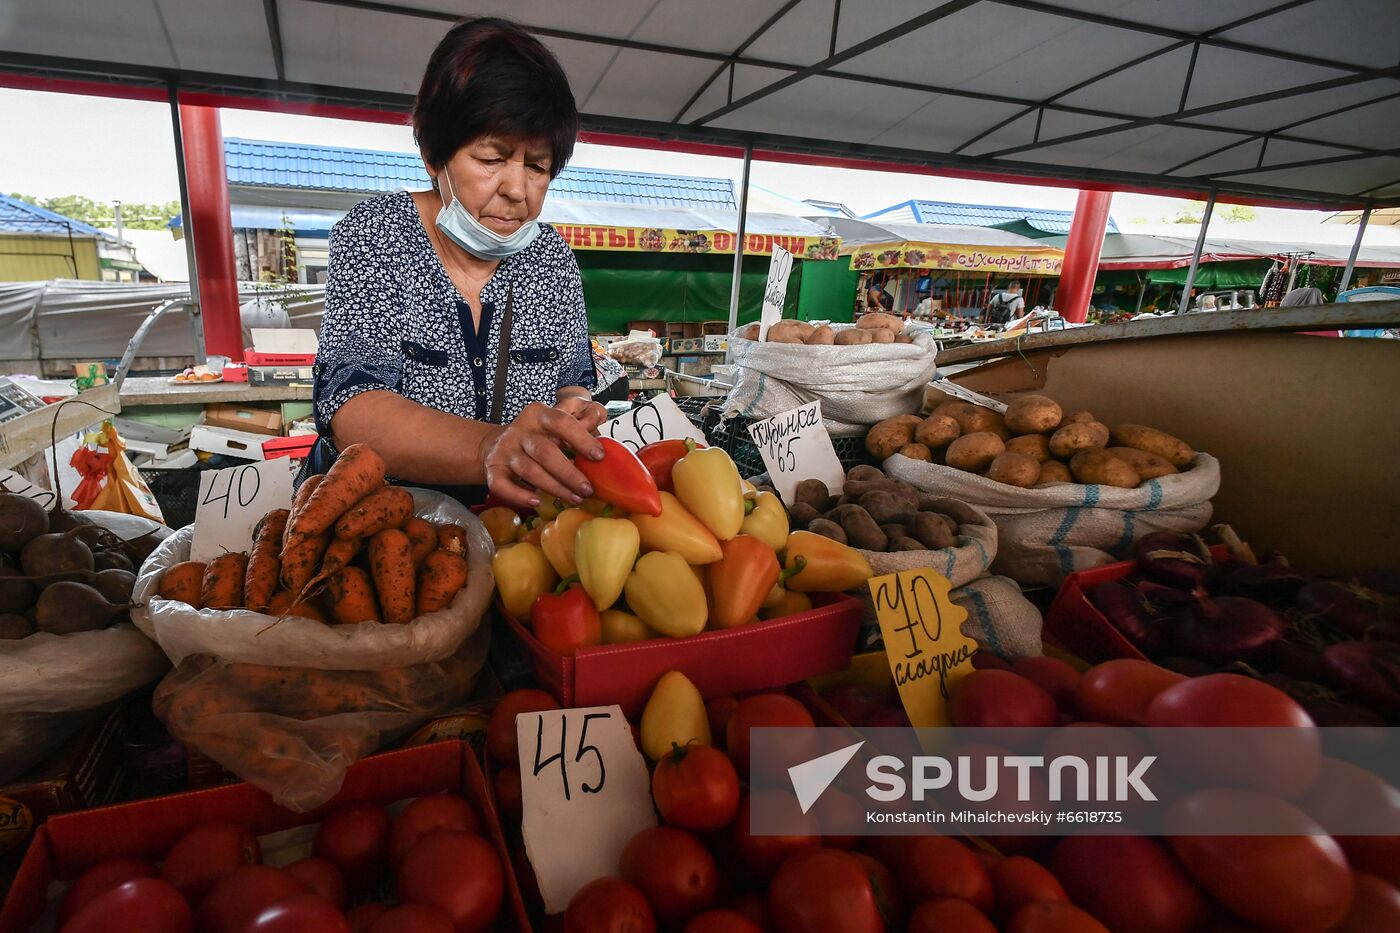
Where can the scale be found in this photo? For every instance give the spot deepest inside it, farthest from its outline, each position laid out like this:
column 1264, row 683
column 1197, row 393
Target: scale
column 15, row 400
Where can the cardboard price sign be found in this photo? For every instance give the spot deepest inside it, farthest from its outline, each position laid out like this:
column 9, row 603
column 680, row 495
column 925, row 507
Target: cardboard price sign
column 586, row 793
column 795, row 446
column 928, row 653
column 660, row 419
column 775, row 290
column 10, row 481
column 232, row 501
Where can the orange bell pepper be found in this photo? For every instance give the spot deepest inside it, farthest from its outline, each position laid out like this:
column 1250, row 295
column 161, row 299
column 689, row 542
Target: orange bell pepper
column 560, row 540
column 605, row 551
column 830, row 565
column 675, row 529
column 741, row 580
column 621, row 479
column 707, row 483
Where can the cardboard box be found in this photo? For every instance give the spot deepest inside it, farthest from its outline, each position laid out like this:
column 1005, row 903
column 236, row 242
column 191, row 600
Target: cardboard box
column 298, row 447
column 69, row 845
column 282, row 346
column 280, row 375
column 240, row 418
column 236, row 372
column 230, row 443
column 717, row 344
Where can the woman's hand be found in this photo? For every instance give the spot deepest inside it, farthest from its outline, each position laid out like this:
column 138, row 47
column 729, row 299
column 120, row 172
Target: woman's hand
column 588, row 412
column 528, row 453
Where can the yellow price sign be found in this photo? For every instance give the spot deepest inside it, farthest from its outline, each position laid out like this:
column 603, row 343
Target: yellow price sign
column 927, row 650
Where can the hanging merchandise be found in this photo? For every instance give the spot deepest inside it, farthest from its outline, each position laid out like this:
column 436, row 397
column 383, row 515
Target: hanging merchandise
column 1275, row 283
column 110, row 482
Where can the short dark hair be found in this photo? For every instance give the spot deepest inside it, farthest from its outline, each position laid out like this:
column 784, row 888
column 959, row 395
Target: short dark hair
column 488, row 76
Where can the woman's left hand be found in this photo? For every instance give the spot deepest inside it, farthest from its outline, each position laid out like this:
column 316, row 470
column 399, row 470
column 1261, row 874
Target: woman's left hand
column 585, row 410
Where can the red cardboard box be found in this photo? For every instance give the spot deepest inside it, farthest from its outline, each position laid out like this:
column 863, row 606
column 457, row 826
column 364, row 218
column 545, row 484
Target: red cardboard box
column 69, row 845
column 298, row 447
column 765, row 654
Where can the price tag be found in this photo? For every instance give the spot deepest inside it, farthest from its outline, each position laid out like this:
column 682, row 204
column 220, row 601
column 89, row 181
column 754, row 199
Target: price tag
column 796, row 446
column 10, row 481
column 775, row 291
column 586, row 793
column 927, row 650
column 232, row 501
column 660, row 419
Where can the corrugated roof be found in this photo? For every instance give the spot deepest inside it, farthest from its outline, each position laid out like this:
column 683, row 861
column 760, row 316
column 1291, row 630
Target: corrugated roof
column 979, row 215
column 18, row 216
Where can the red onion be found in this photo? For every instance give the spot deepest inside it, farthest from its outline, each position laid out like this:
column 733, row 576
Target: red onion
column 1126, row 612
column 1182, row 561
column 1368, row 671
column 1229, row 628
column 1274, row 582
column 1327, row 712
column 1382, row 580
column 1354, row 610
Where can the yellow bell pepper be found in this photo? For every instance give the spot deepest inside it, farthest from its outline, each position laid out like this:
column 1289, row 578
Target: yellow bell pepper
column 675, row 529
column 787, row 604
column 768, row 522
column 501, row 524
column 675, row 715
column 622, row 627
column 597, row 507
column 666, row 595
column 559, row 540
column 522, row 574
column 549, row 509
column 708, row 484
column 829, row 567
column 750, row 490
column 605, row 551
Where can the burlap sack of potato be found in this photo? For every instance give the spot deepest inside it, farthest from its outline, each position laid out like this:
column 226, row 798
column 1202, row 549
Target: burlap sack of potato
column 1046, row 533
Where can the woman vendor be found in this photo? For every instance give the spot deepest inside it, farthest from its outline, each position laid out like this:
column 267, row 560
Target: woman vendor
column 455, row 340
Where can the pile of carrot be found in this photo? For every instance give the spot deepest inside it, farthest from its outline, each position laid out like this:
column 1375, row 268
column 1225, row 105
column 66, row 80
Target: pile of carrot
column 349, row 550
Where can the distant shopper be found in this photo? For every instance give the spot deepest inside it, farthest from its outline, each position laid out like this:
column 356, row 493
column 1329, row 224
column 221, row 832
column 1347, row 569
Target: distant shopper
column 877, row 299
column 1006, row 305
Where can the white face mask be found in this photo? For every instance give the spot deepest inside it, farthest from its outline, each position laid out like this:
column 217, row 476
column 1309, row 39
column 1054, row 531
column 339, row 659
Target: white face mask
column 458, row 225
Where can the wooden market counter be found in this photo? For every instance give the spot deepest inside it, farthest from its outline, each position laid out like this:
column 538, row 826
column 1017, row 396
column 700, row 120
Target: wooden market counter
column 157, row 390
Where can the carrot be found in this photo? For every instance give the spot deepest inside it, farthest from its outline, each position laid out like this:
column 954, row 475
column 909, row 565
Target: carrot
column 183, row 582
column 285, row 603
column 441, row 576
column 422, row 536
column 265, row 562
column 358, row 472
column 301, row 555
column 452, row 538
column 352, row 597
column 222, row 587
column 388, row 507
column 299, row 500
column 391, row 564
column 339, row 554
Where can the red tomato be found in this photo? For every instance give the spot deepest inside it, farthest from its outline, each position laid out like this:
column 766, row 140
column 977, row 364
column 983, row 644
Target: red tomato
column 892, row 718
column 300, row 913
column 824, row 891
column 763, row 854
column 718, row 710
column 936, row 866
column 501, row 743
column 945, row 914
column 509, row 796
column 1375, row 906
column 855, row 702
column 422, row 816
column 355, row 839
column 766, row 710
column 696, row 787
column 1054, row 917
column 675, row 872
column 985, row 659
column 841, row 820
column 457, row 873
column 320, row 877
column 104, row 876
column 1343, row 788
column 1129, row 882
column 1053, row 676
column 1378, row 855
column 722, row 921
column 885, row 887
column 1001, row 699
column 1018, row 881
column 145, row 904
column 754, row 908
column 362, row 918
column 207, row 853
column 412, row 918
column 609, row 905
column 235, row 900
column 1119, row 692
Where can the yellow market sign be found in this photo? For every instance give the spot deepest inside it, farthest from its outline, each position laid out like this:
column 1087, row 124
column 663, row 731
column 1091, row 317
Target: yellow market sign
column 1044, row 261
column 658, row 240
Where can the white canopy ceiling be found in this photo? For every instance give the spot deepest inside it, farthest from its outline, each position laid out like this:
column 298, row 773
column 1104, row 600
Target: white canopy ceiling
column 1293, row 100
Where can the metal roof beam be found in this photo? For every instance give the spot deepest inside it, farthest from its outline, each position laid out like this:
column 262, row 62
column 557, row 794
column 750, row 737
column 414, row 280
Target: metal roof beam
column 274, row 37
column 734, row 57
column 1304, row 163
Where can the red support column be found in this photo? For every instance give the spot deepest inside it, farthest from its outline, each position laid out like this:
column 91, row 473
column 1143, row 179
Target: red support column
column 212, row 230
column 1082, row 255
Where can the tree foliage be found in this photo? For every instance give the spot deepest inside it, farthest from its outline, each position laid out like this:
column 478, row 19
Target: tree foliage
column 135, row 215
column 1192, row 212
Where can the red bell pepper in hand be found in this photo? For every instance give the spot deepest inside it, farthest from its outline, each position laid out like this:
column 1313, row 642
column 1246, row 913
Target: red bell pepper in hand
column 741, row 580
column 566, row 619
column 660, row 457
column 620, row 479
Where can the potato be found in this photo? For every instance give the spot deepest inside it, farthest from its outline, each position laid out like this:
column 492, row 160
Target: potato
column 903, row 338
column 821, row 337
column 790, row 332
column 813, row 492
column 917, row 452
column 1014, row 469
column 886, row 507
column 801, row 514
column 948, row 521
column 1053, row 471
column 1094, row 465
column 937, row 431
column 879, row 320
column 748, row 331
column 851, row 337
column 951, row 407
column 931, row 531
column 1148, row 465
column 860, row 528
column 827, row 529
column 1032, row 445
column 900, row 490
column 1078, row 417
column 864, row 473
column 1082, row 435
column 903, row 544
column 974, row 452
column 1172, row 449
column 886, row 438
column 894, row 530
column 880, row 335
column 1033, row 414
column 975, row 418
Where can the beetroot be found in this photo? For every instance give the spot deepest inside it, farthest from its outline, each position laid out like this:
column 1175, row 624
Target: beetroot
column 1126, row 611
column 1368, row 671
column 1229, row 628
column 1182, row 561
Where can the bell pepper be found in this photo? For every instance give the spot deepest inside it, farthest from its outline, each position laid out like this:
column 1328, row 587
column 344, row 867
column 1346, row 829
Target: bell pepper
column 789, row 604
column 566, row 619
column 532, row 530
column 830, row 565
column 605, row 550
column 677, row 530
column 708, row 484
column 549, row 509
column 741, row 580
column 620, row 479
column 768, row 522
column 522, row 573
column 666, row 595
column 620, row 627
column 501, row 524
column 660, row 458
column 559, row 540
column 750, row 490
column 779, row 592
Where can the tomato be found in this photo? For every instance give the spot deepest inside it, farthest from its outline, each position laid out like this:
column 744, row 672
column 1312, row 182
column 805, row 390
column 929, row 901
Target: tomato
column 984, row 659
column 235, row 900
column 457, row 873
column 1053, row 676
column 362, row 918
column 753, row 907
column 1128, row 882
column 936, row 866
column 855, row 702
column 762, row 855
column 824, row 891
column 355, row 839
column 766, row 710
column 609, row 905
column 718, row 710
column 842, row 817
column 509, row 796
column 1000, row 699
column 885, row 887
column 892, row 718
column 501, row 743
column 1342, row 789
column 1378, row 855
column 722, row 921
column 1018, row 881
column 102, row 877
column 945, row 914
column 1054, row 917
column 412, row 918
column 1375, row 906
column 1119, row 692
column 146, row 904
column 300, row 913
column 207, row 853
column 696, row 787
column 422, row 816
column 675, row 872
column 320, row 877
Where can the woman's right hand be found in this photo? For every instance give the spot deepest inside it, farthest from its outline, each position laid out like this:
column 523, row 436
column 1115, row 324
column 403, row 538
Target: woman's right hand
column 526, row 459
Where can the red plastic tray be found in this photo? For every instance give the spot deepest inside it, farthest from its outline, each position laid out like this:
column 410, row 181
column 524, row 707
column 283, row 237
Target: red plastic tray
column 765, row 654
column 252, row 357
column 298, row 447
column 66, row 846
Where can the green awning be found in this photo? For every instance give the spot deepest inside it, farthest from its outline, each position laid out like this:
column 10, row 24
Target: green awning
column 1242, row 274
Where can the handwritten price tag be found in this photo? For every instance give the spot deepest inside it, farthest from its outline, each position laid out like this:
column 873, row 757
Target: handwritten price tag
column 795, row 446
column 586, row 793
column 927, row 650
column 775, row 291
column 10, row 481
column 660, row 419
column 232, row 501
